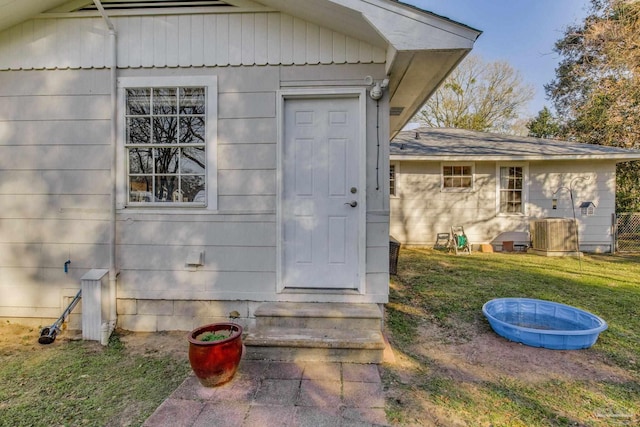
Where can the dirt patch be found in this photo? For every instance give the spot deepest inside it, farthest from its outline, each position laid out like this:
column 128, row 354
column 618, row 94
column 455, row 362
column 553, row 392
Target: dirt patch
column 471, row 357
column 170, row 343
column 17, row 338
column 487, row 357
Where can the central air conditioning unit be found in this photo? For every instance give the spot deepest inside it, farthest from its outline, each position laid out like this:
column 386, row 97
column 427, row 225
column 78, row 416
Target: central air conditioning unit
column 554, row 236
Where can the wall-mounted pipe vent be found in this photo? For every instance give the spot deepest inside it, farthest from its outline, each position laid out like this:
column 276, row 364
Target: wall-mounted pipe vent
column 151, row 4
column 396, row 111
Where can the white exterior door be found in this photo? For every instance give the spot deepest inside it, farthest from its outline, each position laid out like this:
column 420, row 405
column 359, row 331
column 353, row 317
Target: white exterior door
column 321, row 194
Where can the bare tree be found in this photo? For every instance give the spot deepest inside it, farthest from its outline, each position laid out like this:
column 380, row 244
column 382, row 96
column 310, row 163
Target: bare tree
column 478, row 95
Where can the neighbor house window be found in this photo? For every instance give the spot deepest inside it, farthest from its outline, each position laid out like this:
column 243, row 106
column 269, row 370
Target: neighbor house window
column 511, row 189
column 168, row 143
column 456, row 177
column 392, row 180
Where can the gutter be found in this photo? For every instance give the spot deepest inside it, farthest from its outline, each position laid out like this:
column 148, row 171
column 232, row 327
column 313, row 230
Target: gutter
column 107, row 328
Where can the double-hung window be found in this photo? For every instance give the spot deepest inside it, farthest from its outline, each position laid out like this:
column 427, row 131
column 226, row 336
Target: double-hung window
column 511, row 197
column 457, row 177
column 169, row 137
column 392, row 179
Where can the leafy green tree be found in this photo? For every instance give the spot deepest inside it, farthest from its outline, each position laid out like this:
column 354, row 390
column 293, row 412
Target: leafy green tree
column 544, row 125
column 597, row 86
column 478, row 95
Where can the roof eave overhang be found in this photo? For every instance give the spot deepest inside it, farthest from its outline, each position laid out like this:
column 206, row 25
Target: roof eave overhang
column 422, row 48
column 414, row 76
column 13, row 12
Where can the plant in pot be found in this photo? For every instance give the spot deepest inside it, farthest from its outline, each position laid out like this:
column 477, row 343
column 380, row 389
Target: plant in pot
column 214, row 352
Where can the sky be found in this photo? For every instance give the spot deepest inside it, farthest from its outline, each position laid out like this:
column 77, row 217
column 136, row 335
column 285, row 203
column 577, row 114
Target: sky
column 520, row 32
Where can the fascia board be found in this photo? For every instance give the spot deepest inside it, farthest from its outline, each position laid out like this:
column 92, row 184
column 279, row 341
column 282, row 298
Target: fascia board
column 479, row 158
column 408, row 30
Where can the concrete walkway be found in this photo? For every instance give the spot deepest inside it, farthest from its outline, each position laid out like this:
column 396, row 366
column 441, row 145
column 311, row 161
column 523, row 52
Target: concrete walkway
column 280, row 394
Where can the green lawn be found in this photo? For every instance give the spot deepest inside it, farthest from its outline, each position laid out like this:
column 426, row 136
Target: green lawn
column 75, row 383
column 435, row 304
column 446, row 293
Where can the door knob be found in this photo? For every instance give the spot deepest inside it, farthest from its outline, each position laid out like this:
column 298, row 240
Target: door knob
column 352, row 203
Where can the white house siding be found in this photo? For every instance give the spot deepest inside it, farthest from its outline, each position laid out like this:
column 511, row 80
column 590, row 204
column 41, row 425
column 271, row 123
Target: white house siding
column 156, row 291
column 54, row 187
column 595, row 231
column 54, row 173
column 420, row 209
column 180, row 41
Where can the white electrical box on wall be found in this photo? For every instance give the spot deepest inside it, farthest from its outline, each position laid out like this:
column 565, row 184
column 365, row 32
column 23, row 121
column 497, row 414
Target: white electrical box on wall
column 95, row 303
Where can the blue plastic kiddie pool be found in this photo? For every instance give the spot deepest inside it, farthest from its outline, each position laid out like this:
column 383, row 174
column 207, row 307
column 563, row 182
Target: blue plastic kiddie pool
column 540, row 323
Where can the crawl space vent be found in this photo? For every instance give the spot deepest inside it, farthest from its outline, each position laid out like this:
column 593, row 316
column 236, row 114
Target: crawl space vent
column 150, row 4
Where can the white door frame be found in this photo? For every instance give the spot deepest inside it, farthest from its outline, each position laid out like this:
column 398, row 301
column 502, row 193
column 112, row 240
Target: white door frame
column 311, row 93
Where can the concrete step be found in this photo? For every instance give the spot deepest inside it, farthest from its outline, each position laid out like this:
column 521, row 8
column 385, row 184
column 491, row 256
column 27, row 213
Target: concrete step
column 330, row 345
column 319, row 315
column 335, row 332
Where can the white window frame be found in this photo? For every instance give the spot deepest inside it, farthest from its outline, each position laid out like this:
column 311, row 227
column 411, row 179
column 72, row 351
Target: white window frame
column 525, row 188
column 396, row 171
column 457, row 189
column 210, row 83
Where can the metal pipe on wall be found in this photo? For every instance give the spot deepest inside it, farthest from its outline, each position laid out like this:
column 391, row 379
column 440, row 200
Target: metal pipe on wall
column 113, row 272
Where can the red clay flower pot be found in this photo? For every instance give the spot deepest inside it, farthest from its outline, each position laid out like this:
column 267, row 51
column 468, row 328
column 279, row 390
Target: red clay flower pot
column 215, row 362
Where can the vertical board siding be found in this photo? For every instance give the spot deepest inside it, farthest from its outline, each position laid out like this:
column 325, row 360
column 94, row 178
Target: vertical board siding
column 248, row 39
column 209, row 48
column 261, row 55
column 286, row 40
column 180, row 40
column 222, row 40
column 172, row 38
column 273, row 38
column 146, row 40
column 185, row 55
column 196, row 39
column 159, row 42
column 299, row 39
column 313, row 44
column 234, row 44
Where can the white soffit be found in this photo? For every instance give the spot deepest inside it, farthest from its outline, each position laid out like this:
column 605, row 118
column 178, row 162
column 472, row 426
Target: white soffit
column 422, row 48
column 332, row 15
column 382, row 23
column 13, row 12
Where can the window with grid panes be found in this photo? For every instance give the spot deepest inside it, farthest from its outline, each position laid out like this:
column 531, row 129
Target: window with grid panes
column 165, row 145
column 392, row 180
column 511, row 186
column 457, row 177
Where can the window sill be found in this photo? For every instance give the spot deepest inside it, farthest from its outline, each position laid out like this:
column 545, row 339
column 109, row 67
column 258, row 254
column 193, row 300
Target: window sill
column 457, row 190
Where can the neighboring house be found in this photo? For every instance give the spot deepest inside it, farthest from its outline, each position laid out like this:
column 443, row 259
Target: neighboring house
column 211, row 156
column 494, row 185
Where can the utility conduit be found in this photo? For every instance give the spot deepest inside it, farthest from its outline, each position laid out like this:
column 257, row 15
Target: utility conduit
column 113, row 272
